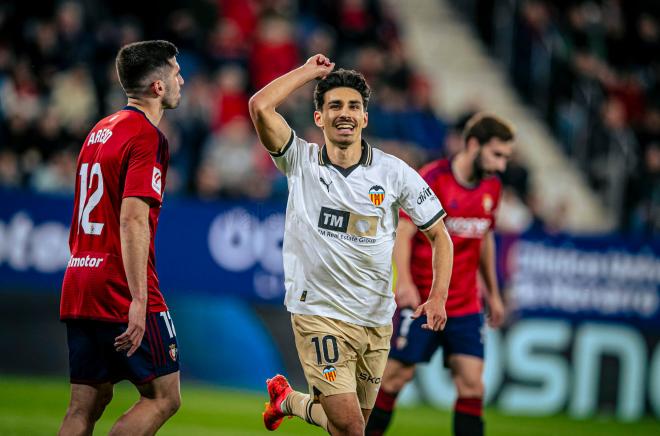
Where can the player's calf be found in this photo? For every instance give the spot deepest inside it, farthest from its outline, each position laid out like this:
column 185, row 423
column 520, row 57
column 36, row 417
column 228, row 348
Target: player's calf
column 145, row 417
column 468, row 408
column 284, row 401
column 467, row 417
column 467, row 372
column 167, row 406
column 85, row 408
column 159, row 400
column 395, row 378
column 355, row 428
column 102, row 401
column 344, row 414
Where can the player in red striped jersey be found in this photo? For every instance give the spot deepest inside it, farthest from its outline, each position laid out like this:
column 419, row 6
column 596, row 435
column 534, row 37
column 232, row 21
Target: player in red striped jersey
column 470, row 191
column 118, row 325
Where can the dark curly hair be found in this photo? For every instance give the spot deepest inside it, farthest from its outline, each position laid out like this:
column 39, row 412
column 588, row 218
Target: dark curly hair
column 338, row 79
column 137, row 62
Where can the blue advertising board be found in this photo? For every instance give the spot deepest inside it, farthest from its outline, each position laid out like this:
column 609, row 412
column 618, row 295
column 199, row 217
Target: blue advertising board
column 604, row 278
column 583, row 333
column 210, row 248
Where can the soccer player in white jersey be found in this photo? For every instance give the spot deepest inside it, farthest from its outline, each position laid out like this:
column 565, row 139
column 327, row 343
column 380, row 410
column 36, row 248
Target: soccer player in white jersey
column 341, row 219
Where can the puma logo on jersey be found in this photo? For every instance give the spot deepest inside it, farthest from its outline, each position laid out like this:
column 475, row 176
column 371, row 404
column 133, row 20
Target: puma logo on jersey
column 99, row 137
column 156, row 181
column 327, row 185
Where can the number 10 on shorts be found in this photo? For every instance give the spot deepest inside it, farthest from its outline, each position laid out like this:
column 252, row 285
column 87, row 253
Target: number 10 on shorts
column 330, row 350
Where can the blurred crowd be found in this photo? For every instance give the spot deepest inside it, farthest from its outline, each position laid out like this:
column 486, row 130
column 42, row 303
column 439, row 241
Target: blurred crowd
column 591, row 68
column 57, row 77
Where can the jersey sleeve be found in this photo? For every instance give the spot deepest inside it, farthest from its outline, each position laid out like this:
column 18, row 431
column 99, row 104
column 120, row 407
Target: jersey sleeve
column 144, row 177
column 418, row 200
column 287, row 159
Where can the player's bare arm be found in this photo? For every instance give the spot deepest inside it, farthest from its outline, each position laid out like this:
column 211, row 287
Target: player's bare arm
column 496, row 313
column 407, row 294
column 273, row 130
column 135, row 238
column 443, row 260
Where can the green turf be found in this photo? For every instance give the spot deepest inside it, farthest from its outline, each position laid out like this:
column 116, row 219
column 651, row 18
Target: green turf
column 34, row 406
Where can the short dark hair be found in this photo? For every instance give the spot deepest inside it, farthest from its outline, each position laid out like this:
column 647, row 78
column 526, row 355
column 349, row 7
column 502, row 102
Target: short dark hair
column 484, row 127
column 339, row 79
column 137, row 61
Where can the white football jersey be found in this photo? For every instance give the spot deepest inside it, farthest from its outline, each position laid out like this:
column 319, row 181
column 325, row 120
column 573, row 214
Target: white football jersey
column 340, row 230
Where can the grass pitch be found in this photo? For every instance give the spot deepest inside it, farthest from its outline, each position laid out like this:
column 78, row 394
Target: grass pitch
column 35, row 406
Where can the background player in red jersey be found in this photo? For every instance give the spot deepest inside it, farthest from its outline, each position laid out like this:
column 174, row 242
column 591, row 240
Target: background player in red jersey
column 111, row 299
column 470, row 191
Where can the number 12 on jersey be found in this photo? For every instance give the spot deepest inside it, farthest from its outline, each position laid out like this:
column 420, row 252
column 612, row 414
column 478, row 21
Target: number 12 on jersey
column 85, row 207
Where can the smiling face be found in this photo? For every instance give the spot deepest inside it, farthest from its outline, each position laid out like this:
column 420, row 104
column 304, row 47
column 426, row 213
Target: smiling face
column 342, row 117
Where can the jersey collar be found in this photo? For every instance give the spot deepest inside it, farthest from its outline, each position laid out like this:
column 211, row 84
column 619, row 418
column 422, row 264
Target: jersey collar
column 134, row 109
column 365, row 158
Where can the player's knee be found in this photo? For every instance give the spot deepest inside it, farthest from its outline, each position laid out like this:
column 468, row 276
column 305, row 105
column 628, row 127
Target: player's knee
column 406, row 374
column 349, row 425
column 403, row 376
column 356, row 429
column 76, row 412
column 102, row 402
column 351, row 428
column 175, row 404
column 470, row 387
column 169, row 405
column 81, row 413
column 394, row 382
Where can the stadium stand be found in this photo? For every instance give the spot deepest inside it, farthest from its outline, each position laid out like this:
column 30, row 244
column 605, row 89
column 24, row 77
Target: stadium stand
column 600, row 100
column 591, row 70
column 57, row 76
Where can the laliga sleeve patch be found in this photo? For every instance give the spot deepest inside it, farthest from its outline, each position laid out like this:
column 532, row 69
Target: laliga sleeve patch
column 156, row 181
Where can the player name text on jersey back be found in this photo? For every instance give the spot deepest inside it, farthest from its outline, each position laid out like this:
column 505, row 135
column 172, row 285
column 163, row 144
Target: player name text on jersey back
column 99, row 137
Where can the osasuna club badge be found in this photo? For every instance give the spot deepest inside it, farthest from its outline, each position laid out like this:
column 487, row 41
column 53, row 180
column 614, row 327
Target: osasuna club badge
column 173, row 352
column 487, row 203
column 377, row 194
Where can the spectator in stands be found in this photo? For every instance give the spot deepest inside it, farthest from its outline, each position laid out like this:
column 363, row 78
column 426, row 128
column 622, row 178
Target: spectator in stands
column 613, row 156
column 236, row 158
column 57, row 175
column 604, row 78
column 74, row 99
column 10, row 173
column 231, row 100
column 274, row 51
column 645, row 218
column 57, row 71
